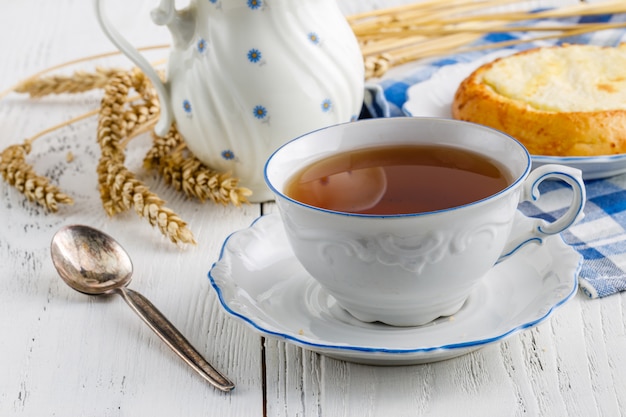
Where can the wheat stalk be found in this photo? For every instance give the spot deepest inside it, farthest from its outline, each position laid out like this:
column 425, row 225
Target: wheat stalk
column 22, row 176
column 40, row 74
column 119, row 188
column 171, row 158
column 394, row 36
column 78, row 82
column 122, row 118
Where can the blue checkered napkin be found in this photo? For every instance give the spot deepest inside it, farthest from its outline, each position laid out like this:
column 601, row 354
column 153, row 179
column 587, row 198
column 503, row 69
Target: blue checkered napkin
column 398, row 80
column 600, row 237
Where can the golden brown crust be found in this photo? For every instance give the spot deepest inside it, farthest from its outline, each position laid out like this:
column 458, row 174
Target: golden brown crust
column 555, row 133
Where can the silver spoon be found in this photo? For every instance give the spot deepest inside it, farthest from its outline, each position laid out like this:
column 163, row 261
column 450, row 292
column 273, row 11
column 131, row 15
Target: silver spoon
column 92, row 262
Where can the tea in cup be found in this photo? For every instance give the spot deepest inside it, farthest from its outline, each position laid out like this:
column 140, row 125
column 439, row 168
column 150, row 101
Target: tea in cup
column 399, row 218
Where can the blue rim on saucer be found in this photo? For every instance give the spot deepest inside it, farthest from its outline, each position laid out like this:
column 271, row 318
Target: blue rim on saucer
column 259, row 281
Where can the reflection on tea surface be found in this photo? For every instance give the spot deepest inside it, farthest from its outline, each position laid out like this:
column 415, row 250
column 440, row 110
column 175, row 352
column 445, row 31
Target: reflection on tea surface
column 397, row 179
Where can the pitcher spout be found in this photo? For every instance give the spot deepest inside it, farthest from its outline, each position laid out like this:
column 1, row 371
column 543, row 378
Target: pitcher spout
column 181, row 23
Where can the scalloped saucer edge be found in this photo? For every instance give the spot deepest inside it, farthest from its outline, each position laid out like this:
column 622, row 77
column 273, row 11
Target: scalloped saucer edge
column 259, row 281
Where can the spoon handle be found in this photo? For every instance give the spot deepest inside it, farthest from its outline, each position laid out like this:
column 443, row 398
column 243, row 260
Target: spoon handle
column 174, row 339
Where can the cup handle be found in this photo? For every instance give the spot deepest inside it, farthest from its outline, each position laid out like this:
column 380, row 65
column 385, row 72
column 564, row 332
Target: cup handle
column 166, row 116
column 530, row 192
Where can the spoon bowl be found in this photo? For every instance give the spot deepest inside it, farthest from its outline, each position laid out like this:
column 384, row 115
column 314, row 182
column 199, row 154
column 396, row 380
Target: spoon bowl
column 90, row 261
column 93, row 263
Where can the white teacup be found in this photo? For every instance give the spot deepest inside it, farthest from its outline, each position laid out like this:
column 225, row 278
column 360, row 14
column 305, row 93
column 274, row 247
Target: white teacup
column 409, row 269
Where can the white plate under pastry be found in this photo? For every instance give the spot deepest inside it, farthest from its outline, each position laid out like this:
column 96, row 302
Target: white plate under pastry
column 259, row 281
column 433, row 98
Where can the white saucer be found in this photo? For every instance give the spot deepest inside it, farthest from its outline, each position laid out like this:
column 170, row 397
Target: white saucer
column 259, row 281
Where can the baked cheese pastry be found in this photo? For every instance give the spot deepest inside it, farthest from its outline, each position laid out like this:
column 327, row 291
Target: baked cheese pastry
column 565, row 100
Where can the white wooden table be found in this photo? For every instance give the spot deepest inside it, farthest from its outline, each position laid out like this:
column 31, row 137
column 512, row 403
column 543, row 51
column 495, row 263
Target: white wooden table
column 66, row 354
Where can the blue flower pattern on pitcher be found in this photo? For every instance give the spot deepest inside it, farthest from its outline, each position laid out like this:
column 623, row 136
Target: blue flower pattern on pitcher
column 201, row 45
column 228, row 155
column 255, row 4
column 187, row 107
column 259, row 112
column 314, row 38
column 255, row 56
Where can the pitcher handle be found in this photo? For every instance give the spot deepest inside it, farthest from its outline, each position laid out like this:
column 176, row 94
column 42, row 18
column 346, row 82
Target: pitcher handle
column 530, row 192
column 166, row 116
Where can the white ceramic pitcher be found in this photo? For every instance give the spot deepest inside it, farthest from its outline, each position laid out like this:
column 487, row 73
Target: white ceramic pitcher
column 245, row 76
